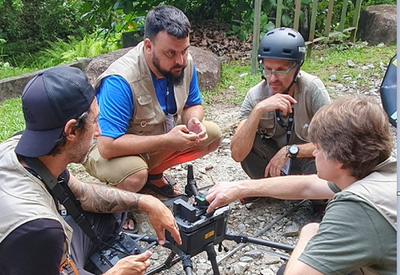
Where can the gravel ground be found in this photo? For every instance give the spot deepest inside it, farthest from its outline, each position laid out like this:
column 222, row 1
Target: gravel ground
column 267, row 219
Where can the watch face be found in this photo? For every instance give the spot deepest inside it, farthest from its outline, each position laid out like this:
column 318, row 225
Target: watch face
column 293, row 149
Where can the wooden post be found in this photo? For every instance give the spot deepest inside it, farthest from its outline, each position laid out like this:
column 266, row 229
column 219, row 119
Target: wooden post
column 297, row 15
column 357, row 12
column 278, row 14
column 312, row 27
column 256, row 36
column 343, row 16
column 329, row 18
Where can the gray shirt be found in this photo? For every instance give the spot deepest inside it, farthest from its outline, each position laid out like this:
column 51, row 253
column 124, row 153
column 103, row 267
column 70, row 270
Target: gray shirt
column 310, row 85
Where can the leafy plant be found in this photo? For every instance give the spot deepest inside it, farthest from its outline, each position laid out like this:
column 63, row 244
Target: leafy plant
column 60, row 52
column 243, row 29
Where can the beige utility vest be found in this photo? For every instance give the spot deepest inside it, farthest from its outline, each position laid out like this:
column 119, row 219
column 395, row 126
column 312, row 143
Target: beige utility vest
column 303, row 110
column 379, row 190
column 148, row 117
column 23, row 197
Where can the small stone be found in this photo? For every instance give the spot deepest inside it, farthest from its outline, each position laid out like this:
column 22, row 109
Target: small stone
column 292, row 230
column 269, row 259
column 339, row 87
column 246, row 259
column 267, row 271
column 254, row 254
column 241, row 228
column 350, row 63
column 332, row 77
column 348, row 78
column 260, row 218
column 240, row 267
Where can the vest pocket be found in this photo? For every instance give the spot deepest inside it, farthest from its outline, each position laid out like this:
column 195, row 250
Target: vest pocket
column 303, row 132
column 266, row 126
column 145, row 112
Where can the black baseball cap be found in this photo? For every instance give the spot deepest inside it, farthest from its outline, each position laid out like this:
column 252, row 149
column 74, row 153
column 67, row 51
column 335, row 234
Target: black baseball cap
column 49, row 100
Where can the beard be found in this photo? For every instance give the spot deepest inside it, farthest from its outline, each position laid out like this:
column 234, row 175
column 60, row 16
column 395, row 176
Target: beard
column 171, row 78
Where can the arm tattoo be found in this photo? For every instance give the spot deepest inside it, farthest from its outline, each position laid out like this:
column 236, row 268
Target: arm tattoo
column 104, row 199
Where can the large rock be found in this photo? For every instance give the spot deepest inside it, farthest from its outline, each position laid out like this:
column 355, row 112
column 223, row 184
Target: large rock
column 378, row 24
column 12, row 87
column 208, row 68
column 101, row 62
column 207, row 64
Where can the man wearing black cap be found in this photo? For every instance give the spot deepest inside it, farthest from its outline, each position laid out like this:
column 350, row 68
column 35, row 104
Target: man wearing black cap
column 61, row 112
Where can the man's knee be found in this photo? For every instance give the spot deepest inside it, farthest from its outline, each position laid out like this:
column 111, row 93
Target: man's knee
column 214, row 145
column 213, row 131
column 134, row 182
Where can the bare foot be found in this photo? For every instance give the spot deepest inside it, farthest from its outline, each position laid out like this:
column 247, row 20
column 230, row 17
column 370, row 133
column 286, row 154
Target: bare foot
column 129, row 224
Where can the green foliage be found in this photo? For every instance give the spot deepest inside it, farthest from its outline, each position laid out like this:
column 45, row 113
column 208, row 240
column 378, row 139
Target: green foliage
column 61, row 52
column 16, row 4
column 28, row 29
column 242, row 29
column 11, row 118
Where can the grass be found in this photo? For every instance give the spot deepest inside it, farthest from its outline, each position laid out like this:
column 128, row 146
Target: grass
column 236, row 78
column 11, row 118
column 333, row 61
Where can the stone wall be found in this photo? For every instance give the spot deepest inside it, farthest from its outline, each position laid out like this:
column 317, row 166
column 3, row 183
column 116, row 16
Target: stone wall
column 13, row 86
column 207, row 64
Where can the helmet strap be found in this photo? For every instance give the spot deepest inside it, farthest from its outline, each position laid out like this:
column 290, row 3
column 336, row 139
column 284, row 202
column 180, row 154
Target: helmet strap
column 293, row 81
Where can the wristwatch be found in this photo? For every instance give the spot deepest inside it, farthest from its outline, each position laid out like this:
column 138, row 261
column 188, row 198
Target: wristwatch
column 292, row 151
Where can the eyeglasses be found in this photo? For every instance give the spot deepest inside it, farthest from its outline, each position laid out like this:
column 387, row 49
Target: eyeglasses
column 278, row 74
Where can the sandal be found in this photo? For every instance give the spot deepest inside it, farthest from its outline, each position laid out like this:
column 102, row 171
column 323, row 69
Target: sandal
column 166, row 190
column 135, row 224
column 247, row 200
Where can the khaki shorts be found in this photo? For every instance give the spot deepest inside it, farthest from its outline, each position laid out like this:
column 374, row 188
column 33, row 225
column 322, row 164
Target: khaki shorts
column 113, row 171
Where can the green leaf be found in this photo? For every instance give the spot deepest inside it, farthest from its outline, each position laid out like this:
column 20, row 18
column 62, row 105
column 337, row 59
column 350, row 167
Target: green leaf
column 301, row 17
column 286, row 20
column 263, row 20
column 86, row 7
column 235, row 28
column 273, row 3
column 243, row 35
column 270, row 26
column 119, row 5
column 128, row 6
